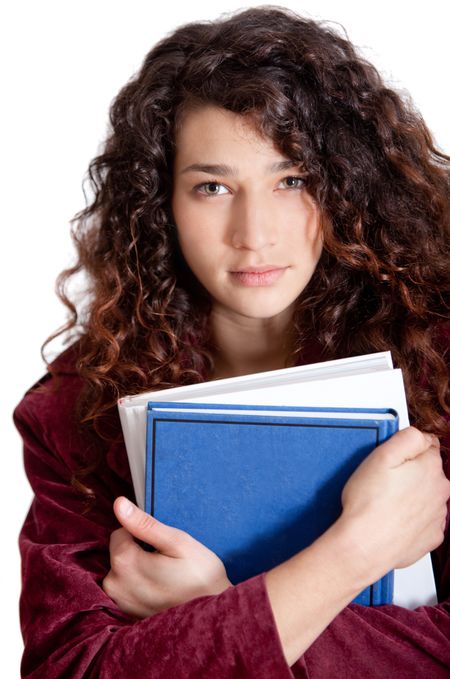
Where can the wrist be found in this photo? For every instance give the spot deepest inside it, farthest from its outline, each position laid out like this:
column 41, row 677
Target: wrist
column 310, row 589
column 355, row 547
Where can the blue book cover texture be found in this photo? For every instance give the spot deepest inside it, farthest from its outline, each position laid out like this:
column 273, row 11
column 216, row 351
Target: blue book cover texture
column 256, row 489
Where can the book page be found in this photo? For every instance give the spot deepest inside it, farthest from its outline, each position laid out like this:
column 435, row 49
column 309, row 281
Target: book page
column 383, row 389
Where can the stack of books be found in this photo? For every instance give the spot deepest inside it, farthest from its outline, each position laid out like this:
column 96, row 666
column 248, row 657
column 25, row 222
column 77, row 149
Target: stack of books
column 254, row 466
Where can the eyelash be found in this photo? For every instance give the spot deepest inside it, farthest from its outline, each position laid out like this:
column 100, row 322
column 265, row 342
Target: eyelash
column 212, row 195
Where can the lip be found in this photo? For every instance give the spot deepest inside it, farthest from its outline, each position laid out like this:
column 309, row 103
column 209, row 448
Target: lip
column 257, row 278
column 259, row 269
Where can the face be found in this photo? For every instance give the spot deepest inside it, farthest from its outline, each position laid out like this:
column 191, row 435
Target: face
column 238, row 203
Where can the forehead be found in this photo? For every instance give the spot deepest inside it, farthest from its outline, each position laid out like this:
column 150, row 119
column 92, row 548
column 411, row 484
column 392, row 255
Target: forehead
column 209, row 128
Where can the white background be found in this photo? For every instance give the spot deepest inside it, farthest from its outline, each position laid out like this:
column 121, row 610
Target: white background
column 62, row 63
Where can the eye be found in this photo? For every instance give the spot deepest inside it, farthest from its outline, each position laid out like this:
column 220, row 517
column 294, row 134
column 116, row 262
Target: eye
column 292, row 182
column 211, row 189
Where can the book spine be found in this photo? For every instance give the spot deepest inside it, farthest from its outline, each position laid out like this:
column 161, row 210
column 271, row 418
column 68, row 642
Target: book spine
column 386, row 429
column 364, row 597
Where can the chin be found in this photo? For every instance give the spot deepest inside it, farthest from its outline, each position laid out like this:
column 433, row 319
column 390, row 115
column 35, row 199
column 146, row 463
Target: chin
column 269, row 311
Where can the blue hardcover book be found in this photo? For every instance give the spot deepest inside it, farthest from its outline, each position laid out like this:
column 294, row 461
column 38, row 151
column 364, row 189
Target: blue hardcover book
column 257, row 484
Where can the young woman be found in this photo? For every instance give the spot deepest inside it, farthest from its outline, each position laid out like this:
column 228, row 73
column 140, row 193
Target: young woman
column 260, row 142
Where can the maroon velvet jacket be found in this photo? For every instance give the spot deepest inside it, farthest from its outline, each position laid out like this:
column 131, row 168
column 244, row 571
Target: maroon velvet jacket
column 72, row 629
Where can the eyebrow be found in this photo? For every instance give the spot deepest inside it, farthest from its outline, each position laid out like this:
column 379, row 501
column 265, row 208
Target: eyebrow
column 227, row 170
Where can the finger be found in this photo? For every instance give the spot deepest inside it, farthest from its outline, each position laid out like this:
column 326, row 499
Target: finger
column 434, row 444
column 406, row 445
column 120, row 541
column 166, row 539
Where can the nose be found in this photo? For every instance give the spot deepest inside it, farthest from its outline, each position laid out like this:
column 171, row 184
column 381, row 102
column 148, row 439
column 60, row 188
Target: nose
column 253, row 223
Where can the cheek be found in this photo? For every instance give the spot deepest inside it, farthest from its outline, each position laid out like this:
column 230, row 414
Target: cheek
column 200, row 233
column 306, row 234
column 316, row 241
column 188, row 233
column 196, row 247
column 313, row 232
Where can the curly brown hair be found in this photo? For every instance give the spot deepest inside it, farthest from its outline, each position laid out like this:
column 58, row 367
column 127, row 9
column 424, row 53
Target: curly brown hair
column 371, row 165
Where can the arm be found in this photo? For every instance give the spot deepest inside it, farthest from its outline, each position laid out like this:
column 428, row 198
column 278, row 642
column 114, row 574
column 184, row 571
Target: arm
column 70, row 625
column 309, row 591
column 72, row 628
column 379, row 529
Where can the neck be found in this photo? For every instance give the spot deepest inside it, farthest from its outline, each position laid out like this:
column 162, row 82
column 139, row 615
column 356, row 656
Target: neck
column 250, row 345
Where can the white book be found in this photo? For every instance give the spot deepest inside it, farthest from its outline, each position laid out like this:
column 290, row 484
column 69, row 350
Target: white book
column 368, row 381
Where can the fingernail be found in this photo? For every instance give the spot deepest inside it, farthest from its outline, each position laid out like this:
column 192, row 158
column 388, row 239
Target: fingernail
column 125, row 508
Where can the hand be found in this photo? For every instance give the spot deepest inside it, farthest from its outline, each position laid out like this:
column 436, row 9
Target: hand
column 143, row 583
column 395, row 502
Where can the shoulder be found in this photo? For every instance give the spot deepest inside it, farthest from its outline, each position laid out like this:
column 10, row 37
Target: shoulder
column 47, row 415
column 49, row 422
column 56, row 391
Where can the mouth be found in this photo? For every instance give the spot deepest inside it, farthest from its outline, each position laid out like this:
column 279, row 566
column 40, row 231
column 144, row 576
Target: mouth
column 264, row 277
column 259, row 269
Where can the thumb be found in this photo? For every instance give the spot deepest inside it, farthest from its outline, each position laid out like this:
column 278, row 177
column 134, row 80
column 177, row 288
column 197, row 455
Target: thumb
column 166, row 539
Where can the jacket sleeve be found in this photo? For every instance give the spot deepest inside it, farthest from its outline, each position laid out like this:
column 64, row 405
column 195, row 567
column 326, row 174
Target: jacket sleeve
column 71, row 628
column 388, row 641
